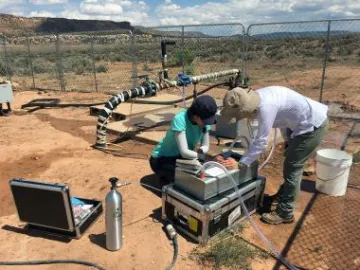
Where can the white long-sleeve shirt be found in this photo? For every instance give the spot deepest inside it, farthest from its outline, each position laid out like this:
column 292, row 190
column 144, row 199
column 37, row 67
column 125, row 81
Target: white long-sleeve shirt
column 281, row 107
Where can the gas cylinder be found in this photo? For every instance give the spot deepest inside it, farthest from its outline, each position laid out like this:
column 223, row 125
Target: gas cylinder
column 113, row 217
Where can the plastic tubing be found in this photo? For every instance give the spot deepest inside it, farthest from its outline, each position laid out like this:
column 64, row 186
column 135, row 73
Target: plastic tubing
column 243, row 206
column 271, row 152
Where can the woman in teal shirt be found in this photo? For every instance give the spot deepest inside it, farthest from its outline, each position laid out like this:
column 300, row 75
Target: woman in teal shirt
column 187, row 129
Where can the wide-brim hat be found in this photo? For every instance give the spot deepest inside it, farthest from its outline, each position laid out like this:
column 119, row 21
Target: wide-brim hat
column 240, row 103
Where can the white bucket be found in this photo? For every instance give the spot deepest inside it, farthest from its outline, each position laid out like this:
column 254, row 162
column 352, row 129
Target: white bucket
column 332, row 171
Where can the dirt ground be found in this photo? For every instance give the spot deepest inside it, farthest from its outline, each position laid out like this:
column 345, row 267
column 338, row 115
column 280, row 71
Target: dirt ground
column 54, row 145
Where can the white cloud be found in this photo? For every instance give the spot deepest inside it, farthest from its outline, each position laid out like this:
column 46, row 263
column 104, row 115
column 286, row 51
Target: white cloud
column 255, row 11
column 42, row 14
column 6, row 3
column 136, row 14
column 106, row 9
column 48, row 2
column 123, row 3
column 169, row 12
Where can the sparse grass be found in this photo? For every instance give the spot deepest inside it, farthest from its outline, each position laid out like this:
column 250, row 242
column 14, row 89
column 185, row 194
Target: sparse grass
column 227, row 250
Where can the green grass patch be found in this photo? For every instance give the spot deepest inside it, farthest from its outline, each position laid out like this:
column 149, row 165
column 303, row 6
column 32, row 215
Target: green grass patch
column 227, row 249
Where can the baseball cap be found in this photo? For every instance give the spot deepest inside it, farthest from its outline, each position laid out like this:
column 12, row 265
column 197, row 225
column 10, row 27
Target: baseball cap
column 205, row 107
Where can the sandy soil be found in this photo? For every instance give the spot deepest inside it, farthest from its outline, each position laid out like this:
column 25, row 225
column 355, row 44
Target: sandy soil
column 54, row 145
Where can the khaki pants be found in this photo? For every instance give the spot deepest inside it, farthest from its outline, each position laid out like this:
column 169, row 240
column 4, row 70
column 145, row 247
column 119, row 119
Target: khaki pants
column 297, row 153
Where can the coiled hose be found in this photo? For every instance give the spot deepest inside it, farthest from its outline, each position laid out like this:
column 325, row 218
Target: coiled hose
column 244, row 208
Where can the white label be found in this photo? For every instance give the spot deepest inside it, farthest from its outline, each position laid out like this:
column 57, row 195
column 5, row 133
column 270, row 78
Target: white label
column 214, row 171
column 234, row 215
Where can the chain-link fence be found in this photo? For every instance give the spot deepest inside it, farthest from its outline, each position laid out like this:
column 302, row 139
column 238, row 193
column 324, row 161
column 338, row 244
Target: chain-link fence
column 80, row 62
column 320, row 59
column 289, row 54
column 343, row 63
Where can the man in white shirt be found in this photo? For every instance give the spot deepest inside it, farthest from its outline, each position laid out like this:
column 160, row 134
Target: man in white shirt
column 279, row 107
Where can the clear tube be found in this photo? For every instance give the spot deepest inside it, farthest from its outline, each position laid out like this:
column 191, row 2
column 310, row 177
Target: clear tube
column 271, row 152
column 243, row 206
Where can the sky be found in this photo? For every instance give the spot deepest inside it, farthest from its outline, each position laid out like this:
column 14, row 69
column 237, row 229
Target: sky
column 180, row 12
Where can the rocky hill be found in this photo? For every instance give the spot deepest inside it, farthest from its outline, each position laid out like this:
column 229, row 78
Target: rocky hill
column 11, row 25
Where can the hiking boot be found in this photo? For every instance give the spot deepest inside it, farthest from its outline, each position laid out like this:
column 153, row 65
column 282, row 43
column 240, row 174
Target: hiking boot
column 273, row 218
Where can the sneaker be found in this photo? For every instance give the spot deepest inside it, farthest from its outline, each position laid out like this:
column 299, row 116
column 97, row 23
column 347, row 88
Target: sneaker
column 274, row 219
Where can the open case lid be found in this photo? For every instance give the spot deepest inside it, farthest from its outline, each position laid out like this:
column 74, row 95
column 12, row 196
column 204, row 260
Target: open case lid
column 42, row 204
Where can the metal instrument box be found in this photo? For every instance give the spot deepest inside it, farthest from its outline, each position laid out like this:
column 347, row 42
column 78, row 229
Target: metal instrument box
column 47, row 208
column 200, row 220
column 6, row 93
column 204, row 189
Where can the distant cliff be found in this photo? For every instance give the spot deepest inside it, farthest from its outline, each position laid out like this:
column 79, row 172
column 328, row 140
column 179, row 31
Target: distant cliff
column 14, row 26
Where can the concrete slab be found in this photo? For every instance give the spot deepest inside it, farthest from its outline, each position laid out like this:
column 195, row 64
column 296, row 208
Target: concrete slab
column 124, row 110
column 161, row 97
column 143, row 122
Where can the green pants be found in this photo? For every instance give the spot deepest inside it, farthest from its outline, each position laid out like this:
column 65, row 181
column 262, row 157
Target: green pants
column 296, row 154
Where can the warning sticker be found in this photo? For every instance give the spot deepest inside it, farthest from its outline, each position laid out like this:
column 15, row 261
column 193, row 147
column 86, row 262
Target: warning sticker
column 234, row 215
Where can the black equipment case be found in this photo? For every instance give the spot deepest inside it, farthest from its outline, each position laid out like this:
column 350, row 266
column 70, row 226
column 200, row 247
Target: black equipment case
column 47, row 208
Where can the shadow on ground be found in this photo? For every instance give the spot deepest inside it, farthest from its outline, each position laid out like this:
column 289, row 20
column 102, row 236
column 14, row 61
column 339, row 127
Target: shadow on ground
column 35, row 233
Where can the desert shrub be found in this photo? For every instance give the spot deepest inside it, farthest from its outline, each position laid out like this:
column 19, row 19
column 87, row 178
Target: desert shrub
column 343, row 51
column 227, row 250
column 185, row 56
column 98, row 57
column 2, row 69
column 40, row 65
column 225, row 57
column 145, row 67
column 190, row 69
column 78, row 65
column 102, row 69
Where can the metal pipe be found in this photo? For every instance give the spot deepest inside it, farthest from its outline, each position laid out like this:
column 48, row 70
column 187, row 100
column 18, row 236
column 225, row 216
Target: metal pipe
column 214, row 75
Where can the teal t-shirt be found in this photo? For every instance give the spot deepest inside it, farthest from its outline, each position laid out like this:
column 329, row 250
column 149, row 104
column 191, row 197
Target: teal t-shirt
column 167, row 147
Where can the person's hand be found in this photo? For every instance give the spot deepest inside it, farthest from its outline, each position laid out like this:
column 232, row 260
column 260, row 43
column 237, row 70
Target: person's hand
column 201, row 155
column 219, row 158
column 230, row 163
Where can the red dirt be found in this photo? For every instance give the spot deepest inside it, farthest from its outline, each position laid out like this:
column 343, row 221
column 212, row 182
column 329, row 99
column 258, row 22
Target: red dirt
column 54, row 145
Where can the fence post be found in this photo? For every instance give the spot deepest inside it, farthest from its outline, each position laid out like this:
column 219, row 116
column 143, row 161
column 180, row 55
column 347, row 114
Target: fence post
column 134, row 61
column 183, row 49
column 325, row 61
column 7, row 67
column 58, row 63
column 245, row 54
column 93, row 62
column 30, row 60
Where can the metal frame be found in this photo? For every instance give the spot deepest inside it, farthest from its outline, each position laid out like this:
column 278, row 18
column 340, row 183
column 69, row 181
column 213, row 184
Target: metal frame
column 205, row 213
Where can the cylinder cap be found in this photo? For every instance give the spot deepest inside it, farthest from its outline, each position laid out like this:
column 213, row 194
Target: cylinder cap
column 113, row 181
